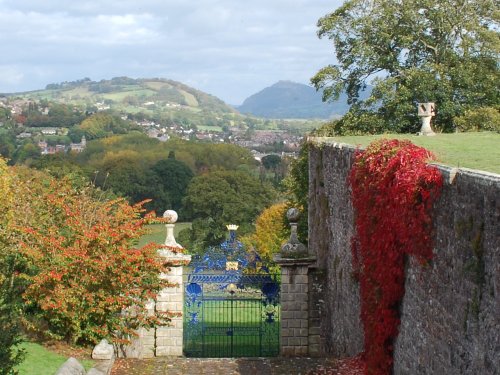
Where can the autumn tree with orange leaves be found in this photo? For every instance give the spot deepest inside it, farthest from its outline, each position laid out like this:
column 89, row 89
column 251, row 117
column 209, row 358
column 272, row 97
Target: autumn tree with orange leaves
column 79, row 271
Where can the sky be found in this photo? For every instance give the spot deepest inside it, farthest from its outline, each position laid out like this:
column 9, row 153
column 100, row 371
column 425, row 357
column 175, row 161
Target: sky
column 227, row 48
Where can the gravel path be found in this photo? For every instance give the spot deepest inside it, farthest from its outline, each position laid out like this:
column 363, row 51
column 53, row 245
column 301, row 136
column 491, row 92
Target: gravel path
column 221, row 366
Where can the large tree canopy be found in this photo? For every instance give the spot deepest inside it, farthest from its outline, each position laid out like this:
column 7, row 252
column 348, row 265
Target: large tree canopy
column 173, row 176
column 414, row 51
column 216, row 199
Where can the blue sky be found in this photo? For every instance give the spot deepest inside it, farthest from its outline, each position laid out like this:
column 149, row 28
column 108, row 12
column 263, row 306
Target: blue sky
column 228, row 48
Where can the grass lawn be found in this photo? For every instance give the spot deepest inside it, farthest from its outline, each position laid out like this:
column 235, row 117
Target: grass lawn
column 468, row 150
column 159, row 232
column 232, row 328
column 42, row 361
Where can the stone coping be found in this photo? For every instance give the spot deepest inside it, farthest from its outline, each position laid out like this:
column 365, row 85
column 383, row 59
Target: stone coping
column 332, row 141
column 303, row 261
column 173, row 256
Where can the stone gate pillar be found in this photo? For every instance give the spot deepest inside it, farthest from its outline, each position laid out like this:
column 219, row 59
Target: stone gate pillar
column 169, row 340
column 295, row 330
column 164, row 341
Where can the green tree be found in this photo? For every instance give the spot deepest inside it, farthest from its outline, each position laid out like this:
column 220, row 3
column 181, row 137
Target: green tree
column 101, row 124
column 126, row 174
column 10, row 337
column 26, row 153
column 485, row 118
column 271, row 161
column 275, row 166
column 216, row 199
column 173, row 177
column 418, row 51
column 4, row 114
column 7, row 144
column 60, row 165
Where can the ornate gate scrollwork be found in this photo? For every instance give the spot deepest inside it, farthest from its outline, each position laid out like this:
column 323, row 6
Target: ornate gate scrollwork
column 231, row 304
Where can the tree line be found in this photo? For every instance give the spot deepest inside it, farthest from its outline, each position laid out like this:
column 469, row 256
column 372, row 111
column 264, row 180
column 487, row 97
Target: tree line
column 208, row 184
column 413, row 51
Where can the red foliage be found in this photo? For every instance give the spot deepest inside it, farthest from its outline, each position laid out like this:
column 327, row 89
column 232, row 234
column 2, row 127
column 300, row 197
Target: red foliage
column 393, row 189
column 20, row 119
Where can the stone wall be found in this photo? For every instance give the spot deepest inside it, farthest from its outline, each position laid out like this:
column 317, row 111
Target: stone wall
column 451, row 310
column 450, row 319
column 330, row 232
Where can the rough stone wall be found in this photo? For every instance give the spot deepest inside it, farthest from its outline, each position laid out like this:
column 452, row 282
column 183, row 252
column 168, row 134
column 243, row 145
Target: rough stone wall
column 450, row 319
column 316, row 303
column 330, row 232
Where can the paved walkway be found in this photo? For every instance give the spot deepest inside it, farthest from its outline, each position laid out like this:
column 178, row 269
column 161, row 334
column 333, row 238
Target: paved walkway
column 223, row 366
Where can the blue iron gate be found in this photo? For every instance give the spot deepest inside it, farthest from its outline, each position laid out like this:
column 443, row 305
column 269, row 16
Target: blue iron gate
column 231, row 305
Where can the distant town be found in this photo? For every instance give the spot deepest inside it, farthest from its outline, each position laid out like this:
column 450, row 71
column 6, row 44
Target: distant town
column 54, row 139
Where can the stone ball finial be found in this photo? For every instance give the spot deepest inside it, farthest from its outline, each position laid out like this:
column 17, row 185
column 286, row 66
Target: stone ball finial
column 171, row 216
column 293, row 215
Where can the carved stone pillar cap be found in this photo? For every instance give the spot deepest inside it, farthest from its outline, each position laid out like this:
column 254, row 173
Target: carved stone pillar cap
column 171, row 216
column 292, row 262
column 293, row 215
column 293, row 248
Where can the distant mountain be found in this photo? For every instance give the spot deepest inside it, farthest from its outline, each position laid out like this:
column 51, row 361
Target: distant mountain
column 287, row 99
column 130, row 95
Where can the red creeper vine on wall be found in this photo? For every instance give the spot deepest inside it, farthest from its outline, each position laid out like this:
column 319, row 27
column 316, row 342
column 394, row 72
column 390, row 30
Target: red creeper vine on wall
column 393, row 189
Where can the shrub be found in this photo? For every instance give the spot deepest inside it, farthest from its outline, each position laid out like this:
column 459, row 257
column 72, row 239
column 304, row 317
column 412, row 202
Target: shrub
column 479, row 119
column 10, row 333
column 79, row 269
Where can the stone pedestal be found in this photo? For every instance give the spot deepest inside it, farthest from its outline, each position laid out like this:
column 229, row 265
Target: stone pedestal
column 426, row 111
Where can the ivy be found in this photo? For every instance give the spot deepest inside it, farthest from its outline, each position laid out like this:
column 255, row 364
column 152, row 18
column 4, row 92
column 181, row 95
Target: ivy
column 393, row 189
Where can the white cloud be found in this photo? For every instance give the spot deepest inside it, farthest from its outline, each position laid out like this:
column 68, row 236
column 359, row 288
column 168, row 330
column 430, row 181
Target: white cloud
column 225, row 47
column 10, row 75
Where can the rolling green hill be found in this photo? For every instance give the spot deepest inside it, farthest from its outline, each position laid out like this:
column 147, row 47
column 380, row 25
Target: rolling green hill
column 131, row 95
column 164, row 101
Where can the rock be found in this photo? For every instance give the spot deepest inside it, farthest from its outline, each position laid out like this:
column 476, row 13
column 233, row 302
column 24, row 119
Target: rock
column 71, row 367
column 103, row 350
